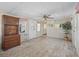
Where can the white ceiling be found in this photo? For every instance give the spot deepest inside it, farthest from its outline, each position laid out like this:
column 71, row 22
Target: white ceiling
column 36, row 9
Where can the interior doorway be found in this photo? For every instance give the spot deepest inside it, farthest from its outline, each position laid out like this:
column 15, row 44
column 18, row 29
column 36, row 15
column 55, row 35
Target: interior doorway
column 45, row 29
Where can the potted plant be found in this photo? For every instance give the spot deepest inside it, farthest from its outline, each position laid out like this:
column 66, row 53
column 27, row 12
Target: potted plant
column 67, row 29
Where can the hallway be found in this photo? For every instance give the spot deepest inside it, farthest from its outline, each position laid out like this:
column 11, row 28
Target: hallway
column 42, row 47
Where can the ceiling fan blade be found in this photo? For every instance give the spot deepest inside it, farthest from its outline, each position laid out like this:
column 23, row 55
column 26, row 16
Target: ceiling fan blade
column 48, row 15
column 51, row 17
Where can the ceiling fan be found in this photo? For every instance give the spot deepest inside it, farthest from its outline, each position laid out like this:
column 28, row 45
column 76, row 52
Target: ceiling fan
column 45, row 17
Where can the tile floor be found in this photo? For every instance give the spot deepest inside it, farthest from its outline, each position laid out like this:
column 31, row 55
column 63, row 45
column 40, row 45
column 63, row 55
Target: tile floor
column 42, row 47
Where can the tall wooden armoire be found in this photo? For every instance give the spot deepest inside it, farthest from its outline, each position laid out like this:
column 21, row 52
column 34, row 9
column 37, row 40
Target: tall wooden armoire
column 11, row 37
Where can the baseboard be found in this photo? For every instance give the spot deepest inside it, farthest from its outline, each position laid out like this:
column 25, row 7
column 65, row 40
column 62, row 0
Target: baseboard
column 54, row 37
column 35, row 37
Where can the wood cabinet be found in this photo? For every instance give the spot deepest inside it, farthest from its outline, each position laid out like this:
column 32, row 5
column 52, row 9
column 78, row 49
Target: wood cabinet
column 11, row 37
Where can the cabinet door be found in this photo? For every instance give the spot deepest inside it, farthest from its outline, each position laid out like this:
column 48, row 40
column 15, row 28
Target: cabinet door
column 10, row 29
column 10, row 20
column 11, row 36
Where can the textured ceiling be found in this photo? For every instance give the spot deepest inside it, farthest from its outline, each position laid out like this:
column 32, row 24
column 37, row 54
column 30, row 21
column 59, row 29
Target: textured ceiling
column 36, row 9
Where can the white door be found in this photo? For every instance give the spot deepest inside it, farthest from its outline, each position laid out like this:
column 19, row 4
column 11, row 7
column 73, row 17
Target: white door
column 75, row 30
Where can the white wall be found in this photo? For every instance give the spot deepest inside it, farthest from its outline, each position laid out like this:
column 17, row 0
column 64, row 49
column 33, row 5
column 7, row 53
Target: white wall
column 32, row 29
column 75, row 32
column 0, row 29
column 78, row 35
column 74, row 29
column 42, row 30
column 23, row 26
column 55, row 31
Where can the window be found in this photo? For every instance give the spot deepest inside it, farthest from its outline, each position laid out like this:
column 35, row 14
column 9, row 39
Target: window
column 57, row 25
column 38, row 27
column 45, row 26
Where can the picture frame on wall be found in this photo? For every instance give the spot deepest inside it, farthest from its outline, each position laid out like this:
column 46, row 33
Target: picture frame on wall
column 22, row 28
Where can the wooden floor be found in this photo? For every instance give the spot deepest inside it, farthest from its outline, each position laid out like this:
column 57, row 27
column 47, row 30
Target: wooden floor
column 42, row 47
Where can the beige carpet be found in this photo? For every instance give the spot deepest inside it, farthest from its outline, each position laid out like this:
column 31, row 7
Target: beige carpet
column 42, row 47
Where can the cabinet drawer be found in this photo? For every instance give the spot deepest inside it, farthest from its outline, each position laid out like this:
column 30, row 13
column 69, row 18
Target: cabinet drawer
column 11, row 41
column 10, row 20
column 11, row 37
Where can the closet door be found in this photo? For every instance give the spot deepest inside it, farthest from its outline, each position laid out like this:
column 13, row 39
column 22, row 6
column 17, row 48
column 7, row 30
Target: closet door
column 11, row 37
